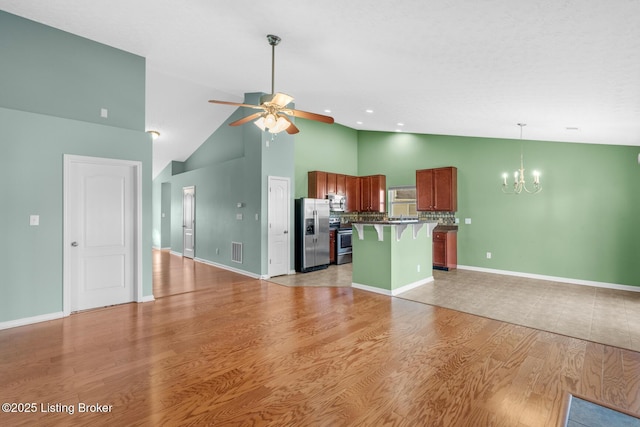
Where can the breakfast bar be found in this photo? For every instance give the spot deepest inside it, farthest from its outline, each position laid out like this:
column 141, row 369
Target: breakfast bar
column 391, row 257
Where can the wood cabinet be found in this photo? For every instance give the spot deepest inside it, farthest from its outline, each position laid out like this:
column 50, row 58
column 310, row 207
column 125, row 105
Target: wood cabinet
column 332, row 246
column 373, row 191
column 364, row 194
column 437, row 189
column 317, row 185
column 352, row 192
column 445, row 250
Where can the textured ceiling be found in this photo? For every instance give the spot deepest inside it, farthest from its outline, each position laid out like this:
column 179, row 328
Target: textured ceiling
column 454, row 67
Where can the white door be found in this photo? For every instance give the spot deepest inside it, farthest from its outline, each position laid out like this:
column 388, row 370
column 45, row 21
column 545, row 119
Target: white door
column 188, row 221
column 100, row 227
column 279, row 236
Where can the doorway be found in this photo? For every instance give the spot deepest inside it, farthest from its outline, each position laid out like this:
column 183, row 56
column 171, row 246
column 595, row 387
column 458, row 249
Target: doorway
column 279, row 225
column 102, row 232
column 188, row 221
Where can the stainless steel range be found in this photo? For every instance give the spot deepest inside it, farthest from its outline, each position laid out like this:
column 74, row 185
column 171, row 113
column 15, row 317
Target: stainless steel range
column 343, row 240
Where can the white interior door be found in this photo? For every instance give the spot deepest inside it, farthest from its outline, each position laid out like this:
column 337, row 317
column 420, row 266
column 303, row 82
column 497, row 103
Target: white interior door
column 100, row 229
column 188, row 221
column 279, row 237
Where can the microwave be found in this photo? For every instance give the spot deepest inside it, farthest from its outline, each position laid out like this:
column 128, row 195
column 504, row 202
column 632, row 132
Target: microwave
column 337, row 202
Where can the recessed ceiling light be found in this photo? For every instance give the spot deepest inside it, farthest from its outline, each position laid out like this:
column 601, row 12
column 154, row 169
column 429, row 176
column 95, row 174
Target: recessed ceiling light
column 572, row 128
column 400, row 124
column 398, row 130
column 369, row 111
column 154, row 134
column 327, row 111
column 358, row 123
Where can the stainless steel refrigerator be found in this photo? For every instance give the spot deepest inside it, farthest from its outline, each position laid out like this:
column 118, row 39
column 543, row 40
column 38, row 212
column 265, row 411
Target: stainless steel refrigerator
column 312, row 234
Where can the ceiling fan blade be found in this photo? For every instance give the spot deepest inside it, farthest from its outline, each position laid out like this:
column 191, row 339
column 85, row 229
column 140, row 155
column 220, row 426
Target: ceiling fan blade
column 281, row 99
column 310, row 116
column 245, row 119
column 236, row 104
column 292, row 129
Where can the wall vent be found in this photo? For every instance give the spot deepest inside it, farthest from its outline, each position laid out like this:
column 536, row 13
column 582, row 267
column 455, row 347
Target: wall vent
column 236, row 252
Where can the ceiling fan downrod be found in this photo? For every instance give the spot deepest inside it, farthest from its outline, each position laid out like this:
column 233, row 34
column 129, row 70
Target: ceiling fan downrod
column 273, row 41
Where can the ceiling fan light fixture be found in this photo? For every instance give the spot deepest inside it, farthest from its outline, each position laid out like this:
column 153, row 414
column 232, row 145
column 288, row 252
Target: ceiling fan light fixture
column 280, row 125
column 260, row 124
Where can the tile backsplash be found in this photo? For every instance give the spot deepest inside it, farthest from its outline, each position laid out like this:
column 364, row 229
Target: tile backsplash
column 448, row 218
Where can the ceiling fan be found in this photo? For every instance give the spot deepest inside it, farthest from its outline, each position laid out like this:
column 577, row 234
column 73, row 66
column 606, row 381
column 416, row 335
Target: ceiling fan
column 273, row 116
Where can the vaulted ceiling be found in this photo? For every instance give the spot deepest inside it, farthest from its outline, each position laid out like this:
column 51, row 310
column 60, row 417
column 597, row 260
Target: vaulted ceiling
column 570, row 69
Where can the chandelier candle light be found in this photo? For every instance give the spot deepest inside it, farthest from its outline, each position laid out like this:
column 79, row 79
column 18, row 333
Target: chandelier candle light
column 519, row 183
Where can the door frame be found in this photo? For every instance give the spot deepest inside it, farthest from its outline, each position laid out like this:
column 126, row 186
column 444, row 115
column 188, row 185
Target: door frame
column 137, row 224
column 288, row 218
column 193, row 220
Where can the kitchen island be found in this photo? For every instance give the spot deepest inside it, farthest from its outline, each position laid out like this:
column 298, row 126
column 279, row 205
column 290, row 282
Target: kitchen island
column 391, row 257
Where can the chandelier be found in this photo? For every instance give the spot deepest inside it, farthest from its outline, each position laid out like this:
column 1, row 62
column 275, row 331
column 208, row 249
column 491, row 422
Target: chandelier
column 519, row 184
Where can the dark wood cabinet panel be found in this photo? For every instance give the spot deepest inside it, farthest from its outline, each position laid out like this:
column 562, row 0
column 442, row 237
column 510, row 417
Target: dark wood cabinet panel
column 317, row 184
column 352, row 193
column 437, row 189
column 373, row 189
column 332, row 246
column 341, row 184
column 331, row 183
column 445, row 250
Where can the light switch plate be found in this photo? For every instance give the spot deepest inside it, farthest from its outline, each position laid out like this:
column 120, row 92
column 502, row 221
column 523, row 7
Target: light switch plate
column 239, row 217
column 467, row 220
column 34, row 220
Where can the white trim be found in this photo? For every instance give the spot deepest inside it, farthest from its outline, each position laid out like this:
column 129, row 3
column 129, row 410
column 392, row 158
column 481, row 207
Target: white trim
column 393, row 292
column 413, row 285
column 30, row 320
column 147, row 298
column 175, row 253
column 553, row 278
column 137, row 252
column 374, row 289
column 226, row 267
column 270, row 179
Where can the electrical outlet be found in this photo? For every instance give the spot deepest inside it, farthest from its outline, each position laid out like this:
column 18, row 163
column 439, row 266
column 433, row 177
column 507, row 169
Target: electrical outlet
column 418, row 268
column 34, row 220
column 104, row 113
column 457, row 220
column 488, row 255
column 217, row 251
column 467, row 220
column 239, row 217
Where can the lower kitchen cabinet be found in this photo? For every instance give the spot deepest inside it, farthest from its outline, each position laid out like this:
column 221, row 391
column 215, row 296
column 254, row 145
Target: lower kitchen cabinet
column 332, row 246
column 445, row 249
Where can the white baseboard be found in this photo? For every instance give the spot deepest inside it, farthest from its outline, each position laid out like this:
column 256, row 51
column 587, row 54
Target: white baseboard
column 553, row 278
column 175, row 253
column 392, row 292
column 147, row 298
column 30, row 320
column 226, row 267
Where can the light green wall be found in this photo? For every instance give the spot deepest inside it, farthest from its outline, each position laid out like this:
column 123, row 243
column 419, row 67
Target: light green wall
column 33, row 146
column 391, row 264
column 581, row 226
column 53, row 85
column 232, row 166
column 48, row 71
column 319, row 146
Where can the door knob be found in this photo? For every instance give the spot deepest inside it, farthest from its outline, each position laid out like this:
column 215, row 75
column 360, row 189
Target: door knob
column 286, row 232
column 74, row 244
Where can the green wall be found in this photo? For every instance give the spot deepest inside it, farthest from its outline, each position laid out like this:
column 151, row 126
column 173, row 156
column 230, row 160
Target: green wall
column 48, row 71
column 319, row 146
column 232, row 166
column 581, row 226
column 53, row 85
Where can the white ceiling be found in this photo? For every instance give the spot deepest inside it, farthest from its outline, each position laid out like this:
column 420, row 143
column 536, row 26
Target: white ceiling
column 454, row 67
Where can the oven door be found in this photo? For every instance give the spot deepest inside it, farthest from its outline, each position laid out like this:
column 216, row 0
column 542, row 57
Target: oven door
column 343, row 246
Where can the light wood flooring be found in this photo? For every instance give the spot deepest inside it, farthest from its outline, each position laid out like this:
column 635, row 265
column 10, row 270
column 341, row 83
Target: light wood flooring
column 228, row 350
column 606, row 316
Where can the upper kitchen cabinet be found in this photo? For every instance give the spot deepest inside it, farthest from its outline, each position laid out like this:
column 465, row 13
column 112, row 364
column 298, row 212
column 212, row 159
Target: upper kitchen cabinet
column 317, row 185
column 352, row 192
column 437, row 189
column 373, row 191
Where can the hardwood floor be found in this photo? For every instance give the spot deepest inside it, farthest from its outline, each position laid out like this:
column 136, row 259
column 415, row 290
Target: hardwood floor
column 239, row 351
